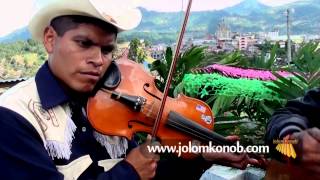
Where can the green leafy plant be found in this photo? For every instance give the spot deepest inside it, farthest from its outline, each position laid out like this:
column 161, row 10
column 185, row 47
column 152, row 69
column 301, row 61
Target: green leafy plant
column 244, row 105
column 262, row 60
column 191, row 58
column 236, row 58
column 306, row 70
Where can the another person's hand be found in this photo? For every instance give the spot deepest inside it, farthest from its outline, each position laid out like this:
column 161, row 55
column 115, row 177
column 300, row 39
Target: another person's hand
column 230, row 159
column 308, row 149
column 144, row 162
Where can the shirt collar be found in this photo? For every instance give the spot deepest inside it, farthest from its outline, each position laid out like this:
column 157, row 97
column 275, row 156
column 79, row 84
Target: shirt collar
column 49, row 89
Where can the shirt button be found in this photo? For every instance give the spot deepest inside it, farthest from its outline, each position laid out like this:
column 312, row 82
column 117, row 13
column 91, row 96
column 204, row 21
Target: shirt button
column 84, row 129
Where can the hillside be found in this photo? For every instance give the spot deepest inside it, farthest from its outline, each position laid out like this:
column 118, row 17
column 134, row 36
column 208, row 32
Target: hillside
column 20, row 59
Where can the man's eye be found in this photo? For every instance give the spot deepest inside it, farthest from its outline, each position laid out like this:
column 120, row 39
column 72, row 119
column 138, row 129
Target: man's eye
column 107, row 49
column 84, row 44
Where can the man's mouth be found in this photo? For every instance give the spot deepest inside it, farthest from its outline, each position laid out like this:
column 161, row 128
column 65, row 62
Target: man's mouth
column 91, row 75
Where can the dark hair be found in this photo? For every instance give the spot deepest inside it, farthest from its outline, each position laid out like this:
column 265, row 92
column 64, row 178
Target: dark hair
column 62, row 24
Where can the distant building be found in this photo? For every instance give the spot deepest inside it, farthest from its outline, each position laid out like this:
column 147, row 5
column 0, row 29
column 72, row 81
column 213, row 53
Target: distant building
column 246, row 41
column 206, row 42
column 282, row 43
column 158, row 55
column 261, row 36
column 223, row 31
column 273, row 34
column 157, row 52
column 252, row 48
column 243, row 43
column 209, row 37
column 235, row 43
column 298, row 39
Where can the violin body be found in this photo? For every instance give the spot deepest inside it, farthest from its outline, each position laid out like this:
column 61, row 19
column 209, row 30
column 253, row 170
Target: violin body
column 113, row 112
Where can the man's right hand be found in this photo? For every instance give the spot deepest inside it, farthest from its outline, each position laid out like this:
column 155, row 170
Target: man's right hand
column 240, row 161
column 143, row 161
column 308, row 149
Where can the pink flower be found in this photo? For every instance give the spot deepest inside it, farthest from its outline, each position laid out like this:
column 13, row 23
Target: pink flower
column 243, row 73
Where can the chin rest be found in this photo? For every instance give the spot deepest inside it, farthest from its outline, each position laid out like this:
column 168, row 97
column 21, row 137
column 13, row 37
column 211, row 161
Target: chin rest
column 112, row 77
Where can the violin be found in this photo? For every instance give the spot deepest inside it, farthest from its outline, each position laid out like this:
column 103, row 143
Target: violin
column 130, row 102
column 132, row 106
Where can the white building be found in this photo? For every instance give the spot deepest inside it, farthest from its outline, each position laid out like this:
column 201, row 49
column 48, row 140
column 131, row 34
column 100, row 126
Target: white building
column 273, row 34
column 223, row 31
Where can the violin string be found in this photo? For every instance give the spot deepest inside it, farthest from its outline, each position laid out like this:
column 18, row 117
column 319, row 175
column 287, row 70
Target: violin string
column 150, row 109
column 195, row 133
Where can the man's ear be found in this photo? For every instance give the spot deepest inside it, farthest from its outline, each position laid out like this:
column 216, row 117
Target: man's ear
column 49, row 38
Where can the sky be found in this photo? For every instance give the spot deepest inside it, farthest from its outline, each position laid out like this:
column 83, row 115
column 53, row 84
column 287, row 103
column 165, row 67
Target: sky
column 15, row 14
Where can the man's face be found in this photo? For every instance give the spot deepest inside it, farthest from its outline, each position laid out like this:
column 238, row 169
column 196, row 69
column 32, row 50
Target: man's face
column 81, row 56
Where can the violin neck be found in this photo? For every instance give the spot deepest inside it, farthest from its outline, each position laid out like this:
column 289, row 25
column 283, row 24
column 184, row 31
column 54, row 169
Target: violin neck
column 189, row 127
column 185, row 125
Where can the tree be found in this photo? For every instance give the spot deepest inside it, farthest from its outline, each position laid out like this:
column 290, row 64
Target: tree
column 137, row 51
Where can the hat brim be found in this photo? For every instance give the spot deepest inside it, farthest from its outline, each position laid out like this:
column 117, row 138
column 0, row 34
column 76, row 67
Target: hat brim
column 122, row 19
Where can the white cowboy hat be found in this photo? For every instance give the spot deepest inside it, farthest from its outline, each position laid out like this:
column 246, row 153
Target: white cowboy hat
column 115, row 12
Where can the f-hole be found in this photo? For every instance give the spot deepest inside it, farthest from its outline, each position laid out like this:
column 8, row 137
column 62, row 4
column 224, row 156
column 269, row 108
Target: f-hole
column 145, row 86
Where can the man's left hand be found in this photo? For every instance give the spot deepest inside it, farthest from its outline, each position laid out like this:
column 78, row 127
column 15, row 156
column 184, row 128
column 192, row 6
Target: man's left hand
column 240, row 161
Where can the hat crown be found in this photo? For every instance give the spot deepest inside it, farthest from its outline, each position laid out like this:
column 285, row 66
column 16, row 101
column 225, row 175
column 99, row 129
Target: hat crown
column 123, row 16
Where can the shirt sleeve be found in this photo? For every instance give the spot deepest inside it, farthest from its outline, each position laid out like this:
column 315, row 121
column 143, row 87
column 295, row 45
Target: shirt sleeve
column 22, row 153
column 297, row 115
column 121, row 171
column 23, row 156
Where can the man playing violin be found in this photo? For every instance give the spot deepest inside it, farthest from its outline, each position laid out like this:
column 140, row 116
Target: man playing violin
column 44, row 133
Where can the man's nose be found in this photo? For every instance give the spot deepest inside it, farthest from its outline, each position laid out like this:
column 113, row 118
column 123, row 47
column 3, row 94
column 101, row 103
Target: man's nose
column 96, row 57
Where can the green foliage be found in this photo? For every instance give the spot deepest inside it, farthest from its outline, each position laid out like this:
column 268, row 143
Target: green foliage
column 235, row 59
column 235, row 102
column 242, row 105
column 262, row 61
column 306, row 70
column 187, row 60
column 307, row 60
column 21, row 59
column 267, row 47
column 247, row 116
column 225, row 94
column 136, row 51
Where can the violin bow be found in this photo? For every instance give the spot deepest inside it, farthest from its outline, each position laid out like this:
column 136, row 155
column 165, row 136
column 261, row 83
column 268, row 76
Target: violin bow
column 170, row 74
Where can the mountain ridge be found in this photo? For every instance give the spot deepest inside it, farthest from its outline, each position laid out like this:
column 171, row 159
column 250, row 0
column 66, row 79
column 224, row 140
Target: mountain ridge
column 247, row 16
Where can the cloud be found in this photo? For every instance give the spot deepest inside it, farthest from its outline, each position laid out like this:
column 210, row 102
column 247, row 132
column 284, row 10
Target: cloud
column 15, row 14
column 177, row 5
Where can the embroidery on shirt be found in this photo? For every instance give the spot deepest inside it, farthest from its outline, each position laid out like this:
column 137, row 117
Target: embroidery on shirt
column 43, row 116
column 52, row 128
